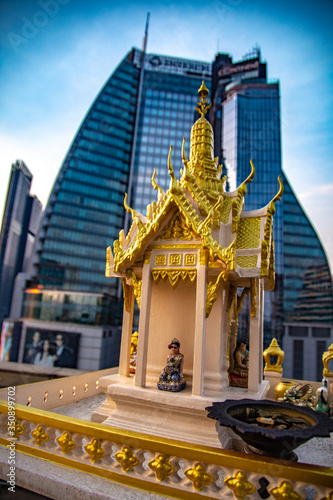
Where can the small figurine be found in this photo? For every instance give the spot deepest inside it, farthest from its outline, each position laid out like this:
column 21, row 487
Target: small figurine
column 134, row 348
column 299, row 395
column 322, row 398
column 241, row 359
column 171, row 378
column 239, row 371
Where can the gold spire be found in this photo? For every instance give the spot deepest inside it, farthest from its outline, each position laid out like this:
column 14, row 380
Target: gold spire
column 202, row 163
column 203, row 93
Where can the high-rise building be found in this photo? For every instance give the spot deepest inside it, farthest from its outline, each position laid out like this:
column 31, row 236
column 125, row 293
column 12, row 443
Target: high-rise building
column 20, row 224
column 147, row 105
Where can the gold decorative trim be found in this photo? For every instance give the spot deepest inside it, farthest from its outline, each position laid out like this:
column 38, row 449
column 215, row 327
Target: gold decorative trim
column 321, row 476
column 199, row 476
column 190, row 259
column 127, row 459
column 212, row 290
column 203, row 257
column 160, row 260
column 175, row 259
column 174, row 275
column 94, row 450
column 39, row 435
column 285, row 492
column 19, row 429
column 237, row 204
column 66, row 443
column 147, row 257
column 177, row 229
column 248, row 234
column 171, row 246
column 161, row 466
column 240, row 485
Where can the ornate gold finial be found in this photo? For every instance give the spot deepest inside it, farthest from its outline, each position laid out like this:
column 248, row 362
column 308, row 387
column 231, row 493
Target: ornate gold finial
column 203, row 93
column 273, row 350
column 327, row 356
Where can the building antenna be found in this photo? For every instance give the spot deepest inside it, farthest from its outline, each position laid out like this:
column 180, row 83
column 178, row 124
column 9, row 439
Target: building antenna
column 135, row 134
column 145, row 38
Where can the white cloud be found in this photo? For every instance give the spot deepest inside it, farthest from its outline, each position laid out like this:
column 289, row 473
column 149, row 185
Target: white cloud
column 315, row 191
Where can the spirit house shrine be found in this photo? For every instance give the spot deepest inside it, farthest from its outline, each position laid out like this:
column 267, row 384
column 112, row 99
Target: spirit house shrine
column 189, row 263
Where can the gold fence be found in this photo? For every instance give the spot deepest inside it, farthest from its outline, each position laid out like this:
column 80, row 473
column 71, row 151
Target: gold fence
column 163, row 466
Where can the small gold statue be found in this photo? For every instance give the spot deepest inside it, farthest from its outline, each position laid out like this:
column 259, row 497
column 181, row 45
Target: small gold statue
column 134, row 348
column 239, row 373
column 300, row 395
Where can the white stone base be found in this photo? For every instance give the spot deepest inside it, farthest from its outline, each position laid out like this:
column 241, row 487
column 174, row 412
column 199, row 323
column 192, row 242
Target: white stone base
column 179, row 415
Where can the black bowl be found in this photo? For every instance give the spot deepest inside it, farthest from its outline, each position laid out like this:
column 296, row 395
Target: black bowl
column 278, row 443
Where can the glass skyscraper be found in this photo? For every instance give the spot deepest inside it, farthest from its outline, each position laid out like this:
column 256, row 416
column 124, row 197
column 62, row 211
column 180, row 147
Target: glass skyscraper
column 20, row 224
column 147, row 105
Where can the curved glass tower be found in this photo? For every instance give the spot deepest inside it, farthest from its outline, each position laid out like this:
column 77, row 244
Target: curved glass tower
column 125, row 135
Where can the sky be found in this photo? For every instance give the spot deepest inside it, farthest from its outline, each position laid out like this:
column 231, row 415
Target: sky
column 57, row 54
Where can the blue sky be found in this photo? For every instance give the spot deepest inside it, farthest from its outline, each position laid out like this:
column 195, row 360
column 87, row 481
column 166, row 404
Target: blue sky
column 57, row 54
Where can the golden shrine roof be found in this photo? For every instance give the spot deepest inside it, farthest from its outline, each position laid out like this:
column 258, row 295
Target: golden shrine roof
column 197, row 208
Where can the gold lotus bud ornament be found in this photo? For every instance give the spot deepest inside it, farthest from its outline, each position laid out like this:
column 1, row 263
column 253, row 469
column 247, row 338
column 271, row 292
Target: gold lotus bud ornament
column 273, row 350
column 327, row 356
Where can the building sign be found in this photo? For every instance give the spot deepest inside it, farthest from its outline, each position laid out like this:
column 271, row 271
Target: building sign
column 176, row 65
column 238, row 68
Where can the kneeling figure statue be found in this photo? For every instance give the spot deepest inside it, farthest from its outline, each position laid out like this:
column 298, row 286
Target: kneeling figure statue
column 171, row 378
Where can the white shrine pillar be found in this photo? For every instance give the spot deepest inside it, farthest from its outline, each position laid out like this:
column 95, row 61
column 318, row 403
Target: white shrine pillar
column 125, row 348
column 200, row 329
column 255, row 340
column 145, row 304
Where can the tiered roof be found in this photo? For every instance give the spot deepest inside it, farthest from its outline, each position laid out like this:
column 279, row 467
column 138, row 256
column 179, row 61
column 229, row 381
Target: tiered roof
column 197, row 208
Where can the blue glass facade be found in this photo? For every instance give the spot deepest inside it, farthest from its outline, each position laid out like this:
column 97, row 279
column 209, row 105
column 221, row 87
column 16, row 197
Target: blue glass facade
column 307, row 282
column 85, row 210
column 19, row 226
column 247, row 118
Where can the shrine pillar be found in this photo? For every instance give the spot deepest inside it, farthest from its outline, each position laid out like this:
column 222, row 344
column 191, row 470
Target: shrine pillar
column 200, row 329
column 256, row 335
column 145, row 305
column 124, row 358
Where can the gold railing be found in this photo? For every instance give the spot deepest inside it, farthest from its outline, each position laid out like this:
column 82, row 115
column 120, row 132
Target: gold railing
column 164, row 466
